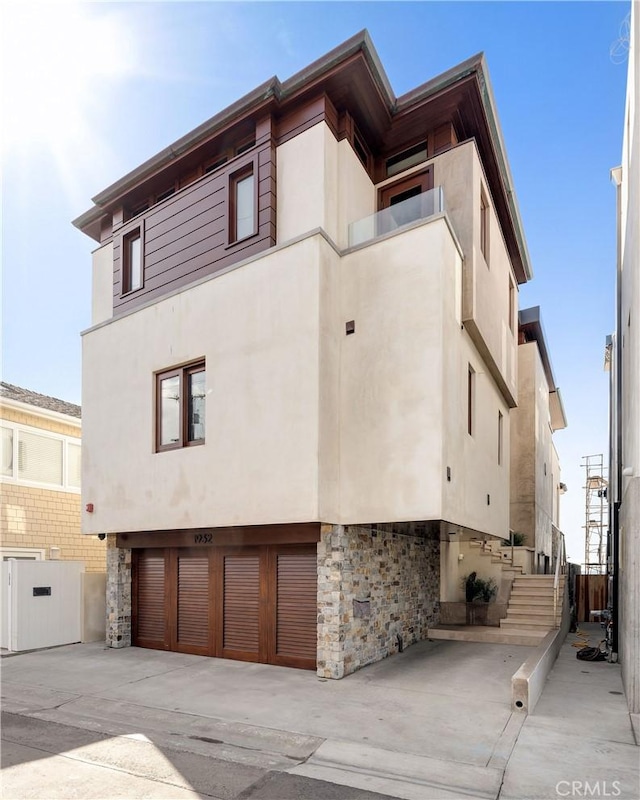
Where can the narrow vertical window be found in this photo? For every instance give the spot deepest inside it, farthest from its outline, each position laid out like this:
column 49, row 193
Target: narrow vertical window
column 132, row 261
column 169, row 411
column 500, row 435
column 242, row 204
column 471, row 375
column 484, row 226
column 180, row 407
column 512, row 304
column 195, row 403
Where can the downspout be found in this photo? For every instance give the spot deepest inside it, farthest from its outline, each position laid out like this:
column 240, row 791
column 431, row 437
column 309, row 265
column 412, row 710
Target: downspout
column 616, row 175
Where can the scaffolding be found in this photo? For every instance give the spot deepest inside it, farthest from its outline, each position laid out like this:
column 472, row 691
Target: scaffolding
column 596, row 515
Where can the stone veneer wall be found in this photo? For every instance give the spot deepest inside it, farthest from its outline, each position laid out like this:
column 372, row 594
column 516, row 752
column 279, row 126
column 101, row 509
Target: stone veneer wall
column 118, row 594
column 373, row 586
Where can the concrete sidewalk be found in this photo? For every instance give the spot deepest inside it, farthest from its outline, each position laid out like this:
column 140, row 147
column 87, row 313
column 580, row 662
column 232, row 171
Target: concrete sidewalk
column 432, row 722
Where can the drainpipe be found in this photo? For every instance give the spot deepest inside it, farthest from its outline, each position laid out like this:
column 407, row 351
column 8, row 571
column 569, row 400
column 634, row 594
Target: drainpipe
column 616, row 400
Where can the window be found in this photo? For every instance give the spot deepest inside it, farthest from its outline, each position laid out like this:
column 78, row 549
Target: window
column 32, row 456
column 242, row 205
column 132, row 261
column 471, row 390
column 180, row 407
column 484, row 226
column 512, row 304
column 398, row 198
column 405, row 159
column 500, row 434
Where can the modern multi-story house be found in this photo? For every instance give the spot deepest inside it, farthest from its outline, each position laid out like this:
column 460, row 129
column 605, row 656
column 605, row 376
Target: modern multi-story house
column 298, row 382
column 40, row 480
column 624, row 470
column 535, row 468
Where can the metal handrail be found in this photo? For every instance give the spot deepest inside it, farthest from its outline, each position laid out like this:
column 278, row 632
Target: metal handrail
column 556, row 580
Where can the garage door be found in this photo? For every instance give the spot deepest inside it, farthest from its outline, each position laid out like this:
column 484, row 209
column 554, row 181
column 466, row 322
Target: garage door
column 250, row 603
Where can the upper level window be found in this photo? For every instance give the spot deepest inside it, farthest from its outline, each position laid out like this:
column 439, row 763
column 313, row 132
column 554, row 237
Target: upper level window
column 396, row 195
column 180, row 407
column 512, row 304
column 242, row 204
column 484, row 226
column 33, row 456
column 132, row 261
column 471, row 399
column 405, row 159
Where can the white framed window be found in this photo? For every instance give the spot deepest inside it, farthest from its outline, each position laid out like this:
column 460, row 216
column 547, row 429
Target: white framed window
column 35, row 457
column 21, row 553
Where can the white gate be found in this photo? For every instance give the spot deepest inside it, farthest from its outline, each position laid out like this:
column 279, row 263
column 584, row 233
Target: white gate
column 41, row 604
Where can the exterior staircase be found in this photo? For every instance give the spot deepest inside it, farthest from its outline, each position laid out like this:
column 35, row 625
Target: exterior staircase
column 531, row 604
column 530, row 610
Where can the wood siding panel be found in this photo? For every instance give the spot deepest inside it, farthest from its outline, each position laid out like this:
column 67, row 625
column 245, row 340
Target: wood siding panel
column 185, row 237
column 241, row 631
column 296, row 606
column 150, row 611
column 192, row 631
column 591, row 595
column 303, row 532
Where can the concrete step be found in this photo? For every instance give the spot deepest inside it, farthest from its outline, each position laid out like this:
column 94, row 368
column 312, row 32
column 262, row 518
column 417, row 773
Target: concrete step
column 526, row 599
column 548, row 622
column 542, row 578
column 490, row 634
column 525, row 623
column 530, row 611
column 534, row 591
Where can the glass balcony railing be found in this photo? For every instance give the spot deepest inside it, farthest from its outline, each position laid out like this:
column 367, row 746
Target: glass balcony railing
column 421, row 206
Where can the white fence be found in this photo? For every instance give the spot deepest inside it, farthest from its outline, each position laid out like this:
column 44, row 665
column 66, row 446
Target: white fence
column 42, row 604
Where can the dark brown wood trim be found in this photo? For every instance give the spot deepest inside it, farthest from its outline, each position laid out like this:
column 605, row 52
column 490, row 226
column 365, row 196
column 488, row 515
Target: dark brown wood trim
column 294, row 533
column 423, row 179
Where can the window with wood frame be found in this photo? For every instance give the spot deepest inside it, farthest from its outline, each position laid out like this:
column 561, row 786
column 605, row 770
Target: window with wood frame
column 242, row 204
column 484, row 226
column 180, row 406
column 131, row 253
column 406, row 159
column 512, row 304
column 405, row 200
column 471, row 392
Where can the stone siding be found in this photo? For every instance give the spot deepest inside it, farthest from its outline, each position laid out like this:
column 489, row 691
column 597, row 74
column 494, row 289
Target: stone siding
column 118, row 594
column 377, row 591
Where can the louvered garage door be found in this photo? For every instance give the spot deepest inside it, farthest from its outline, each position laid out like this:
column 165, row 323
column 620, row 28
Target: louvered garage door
column 254, row 603
column 192, row 627
column 296, row 609
column 149, row 621
column 241, row 612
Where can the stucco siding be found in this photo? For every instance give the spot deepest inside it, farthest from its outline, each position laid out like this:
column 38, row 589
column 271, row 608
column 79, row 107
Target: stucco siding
column 257, row 329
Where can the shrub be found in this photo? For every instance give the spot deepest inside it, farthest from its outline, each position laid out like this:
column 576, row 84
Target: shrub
column 479, row 589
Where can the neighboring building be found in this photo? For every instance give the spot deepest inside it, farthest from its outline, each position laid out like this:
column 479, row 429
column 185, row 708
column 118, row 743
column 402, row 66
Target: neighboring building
column 624, row 472
column 535, row 468
column 40, row 480
column 298, row 382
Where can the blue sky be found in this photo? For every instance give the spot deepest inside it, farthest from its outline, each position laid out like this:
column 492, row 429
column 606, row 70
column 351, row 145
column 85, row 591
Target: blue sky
column 91, row 90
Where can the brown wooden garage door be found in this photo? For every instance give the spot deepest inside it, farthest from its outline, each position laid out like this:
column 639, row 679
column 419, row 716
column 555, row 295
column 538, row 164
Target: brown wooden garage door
column 247, row 603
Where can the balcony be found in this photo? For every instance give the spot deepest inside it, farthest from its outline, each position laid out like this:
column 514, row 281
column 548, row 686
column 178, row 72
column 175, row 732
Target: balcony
column 413, row 209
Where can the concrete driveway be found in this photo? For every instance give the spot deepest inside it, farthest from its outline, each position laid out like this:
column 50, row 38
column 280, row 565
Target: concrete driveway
column 432, row 722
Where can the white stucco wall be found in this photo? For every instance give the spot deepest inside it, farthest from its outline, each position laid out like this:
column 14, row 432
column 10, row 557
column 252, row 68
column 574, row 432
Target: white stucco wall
column 532, row 454
column 628, row 339
column 257, row 328
column 102, row 284
column 321, row 184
